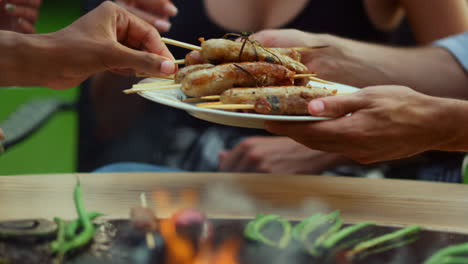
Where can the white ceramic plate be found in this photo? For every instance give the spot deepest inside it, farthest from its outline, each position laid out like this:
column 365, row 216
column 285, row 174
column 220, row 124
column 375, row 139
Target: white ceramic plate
column 174, row 98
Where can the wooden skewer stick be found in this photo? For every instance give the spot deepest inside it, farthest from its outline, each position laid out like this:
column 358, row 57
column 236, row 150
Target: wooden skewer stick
column 208, row 104
column 152, row 84
column 230, row 106
column 149, row 236
column 309, row 48
column 154, row 88
column 319, row 80
column 307, row 75
column 144, row 75
column 181, row 44
column 209, row 97
column 181, row 61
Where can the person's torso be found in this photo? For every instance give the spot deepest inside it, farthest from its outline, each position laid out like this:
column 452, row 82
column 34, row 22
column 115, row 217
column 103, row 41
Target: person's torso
column 204, row 18
column 214, row 18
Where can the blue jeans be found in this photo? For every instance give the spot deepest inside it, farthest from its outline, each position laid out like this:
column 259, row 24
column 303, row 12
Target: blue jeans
column 134, row 167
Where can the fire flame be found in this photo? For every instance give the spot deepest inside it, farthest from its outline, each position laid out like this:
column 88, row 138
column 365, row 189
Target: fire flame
column 228, row 252
column 178, row 249
column 181, row 249
column 166, row 201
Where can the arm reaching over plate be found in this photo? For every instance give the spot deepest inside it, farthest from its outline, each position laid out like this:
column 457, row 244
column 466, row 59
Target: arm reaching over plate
column 425, row 69
column 387, row 123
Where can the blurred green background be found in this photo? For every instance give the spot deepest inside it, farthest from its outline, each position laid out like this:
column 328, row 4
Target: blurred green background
column 53, row 148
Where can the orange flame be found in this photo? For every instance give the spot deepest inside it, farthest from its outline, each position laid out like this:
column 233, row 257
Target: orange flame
column 227, row 252
column 178, row 249
column 181, row 250
column 188, row 198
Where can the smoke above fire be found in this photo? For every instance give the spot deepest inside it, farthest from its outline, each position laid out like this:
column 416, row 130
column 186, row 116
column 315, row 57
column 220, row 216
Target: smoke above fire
column 231, row 199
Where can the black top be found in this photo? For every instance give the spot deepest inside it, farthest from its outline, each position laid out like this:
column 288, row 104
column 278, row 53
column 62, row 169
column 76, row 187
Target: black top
column 344, row 18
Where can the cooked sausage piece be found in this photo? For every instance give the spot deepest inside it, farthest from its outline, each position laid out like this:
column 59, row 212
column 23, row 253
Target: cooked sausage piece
column 194, row 57
column 217, row 51
column 217, row 79
column 292, row 53
column 191, row 223
column 143, row 218
column 180, row 75
column 275, row 100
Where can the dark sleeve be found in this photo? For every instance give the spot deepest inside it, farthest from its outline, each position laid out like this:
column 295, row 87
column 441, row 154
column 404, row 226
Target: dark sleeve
column 88, row 144
column 88, row 5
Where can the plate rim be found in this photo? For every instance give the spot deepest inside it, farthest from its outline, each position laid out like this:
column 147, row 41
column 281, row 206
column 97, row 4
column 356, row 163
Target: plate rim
column 177, row 103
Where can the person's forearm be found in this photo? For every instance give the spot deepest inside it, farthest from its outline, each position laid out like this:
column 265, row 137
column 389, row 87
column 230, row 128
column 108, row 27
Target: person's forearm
column 430, row 70
column 23, row 59
column 451, row 123
column 9, row 67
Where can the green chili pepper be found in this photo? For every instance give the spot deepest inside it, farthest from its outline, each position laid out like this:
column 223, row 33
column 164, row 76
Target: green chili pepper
column 313, row 247
column 58, row 242
column 343, row 233
column 455, row 260
column 88, row 229
column 333, row 229
column 465, row 176
column 465, row 169
column 254, row 230
column 311, row 226
column 259, row 224
column 249, row 231
column 410, row 230
column 440, row 256
column 297, row 230
column 70, row 230
column 285, row 238
column 366, row 253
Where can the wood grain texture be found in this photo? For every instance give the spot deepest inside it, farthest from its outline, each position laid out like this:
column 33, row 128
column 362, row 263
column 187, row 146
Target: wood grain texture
column 439, row 206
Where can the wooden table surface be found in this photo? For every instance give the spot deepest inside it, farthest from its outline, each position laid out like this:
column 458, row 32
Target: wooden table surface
column 438, row 206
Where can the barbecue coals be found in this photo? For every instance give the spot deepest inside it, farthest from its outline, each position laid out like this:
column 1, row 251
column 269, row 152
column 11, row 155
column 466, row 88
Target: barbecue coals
column 189, row 237
column 227, row 241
